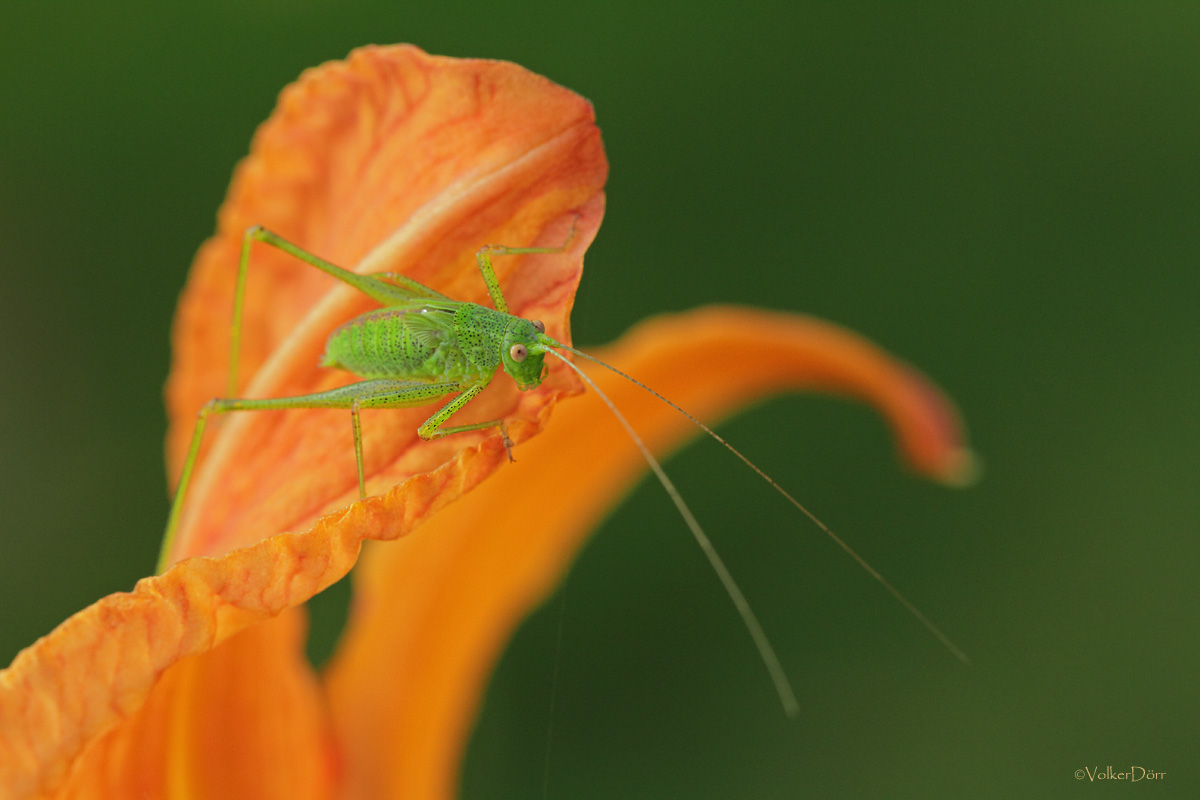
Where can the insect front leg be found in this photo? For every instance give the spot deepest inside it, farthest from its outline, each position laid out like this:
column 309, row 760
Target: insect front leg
column 433, row 427
column 489, row 272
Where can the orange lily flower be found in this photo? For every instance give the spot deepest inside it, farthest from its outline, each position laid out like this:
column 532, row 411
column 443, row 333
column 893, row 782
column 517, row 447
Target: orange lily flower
column 195, row 684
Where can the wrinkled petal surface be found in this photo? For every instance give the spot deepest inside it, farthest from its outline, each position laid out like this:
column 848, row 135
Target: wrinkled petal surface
column 243, row 720
column 433, row 612
column 95, row 671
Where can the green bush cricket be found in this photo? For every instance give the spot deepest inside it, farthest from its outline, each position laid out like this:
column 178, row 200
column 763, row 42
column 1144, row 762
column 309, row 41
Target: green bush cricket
column 421, row 345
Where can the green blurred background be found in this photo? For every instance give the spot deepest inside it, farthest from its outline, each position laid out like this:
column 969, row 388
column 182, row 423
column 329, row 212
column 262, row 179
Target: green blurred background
column 1008, row 198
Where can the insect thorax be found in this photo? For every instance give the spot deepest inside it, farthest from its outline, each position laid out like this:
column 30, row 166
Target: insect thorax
column 480, row 332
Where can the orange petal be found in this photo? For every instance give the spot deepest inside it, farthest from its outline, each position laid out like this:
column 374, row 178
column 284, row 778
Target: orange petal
column 391, row 161
column 244, row 720
column 61, row 695
column 433, row 611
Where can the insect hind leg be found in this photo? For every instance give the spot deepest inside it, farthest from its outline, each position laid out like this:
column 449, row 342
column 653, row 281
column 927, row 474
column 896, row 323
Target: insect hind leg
column 372, row 286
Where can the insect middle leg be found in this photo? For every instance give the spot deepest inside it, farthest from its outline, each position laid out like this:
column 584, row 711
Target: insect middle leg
column 376, row 393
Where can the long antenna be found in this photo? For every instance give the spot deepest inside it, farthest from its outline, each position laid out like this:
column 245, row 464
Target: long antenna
column 786, row 695
column 904, row 601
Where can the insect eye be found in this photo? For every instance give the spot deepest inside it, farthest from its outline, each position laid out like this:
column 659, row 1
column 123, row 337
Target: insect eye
column 538, row 325
column 517, row 352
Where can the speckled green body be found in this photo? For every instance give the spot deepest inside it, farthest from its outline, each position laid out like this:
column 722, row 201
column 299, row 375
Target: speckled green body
column 427, row 340
column 408, row 342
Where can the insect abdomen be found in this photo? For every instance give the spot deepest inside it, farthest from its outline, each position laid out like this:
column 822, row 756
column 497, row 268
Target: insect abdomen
column 397, row 343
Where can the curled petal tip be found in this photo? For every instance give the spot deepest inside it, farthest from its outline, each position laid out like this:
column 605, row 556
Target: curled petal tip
column 961, row 470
